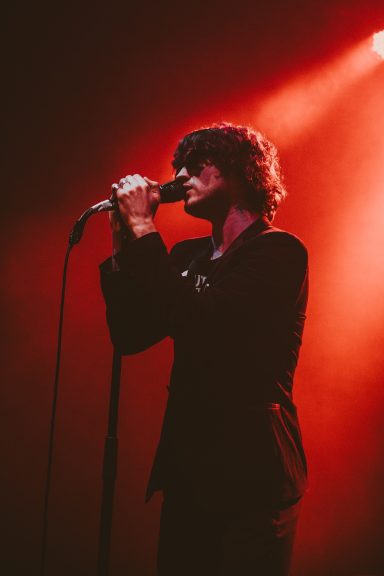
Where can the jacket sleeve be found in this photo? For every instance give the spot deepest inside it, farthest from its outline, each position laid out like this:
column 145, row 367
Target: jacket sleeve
column 264, row 278
column 132, row 314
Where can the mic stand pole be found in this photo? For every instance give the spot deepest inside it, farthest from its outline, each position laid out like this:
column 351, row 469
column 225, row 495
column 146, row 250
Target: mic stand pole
column 109, row 469
column 110, row 445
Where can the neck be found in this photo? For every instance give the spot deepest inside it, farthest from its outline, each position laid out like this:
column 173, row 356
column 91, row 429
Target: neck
column 226, row 229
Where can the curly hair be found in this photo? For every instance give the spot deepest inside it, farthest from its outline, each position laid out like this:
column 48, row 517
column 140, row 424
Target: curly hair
column 240, row 152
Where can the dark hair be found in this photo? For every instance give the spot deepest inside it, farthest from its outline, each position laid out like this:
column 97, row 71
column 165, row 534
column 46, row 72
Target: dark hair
column 240, row 152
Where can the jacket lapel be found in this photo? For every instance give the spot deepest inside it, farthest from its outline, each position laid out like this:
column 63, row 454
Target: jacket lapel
column 255, row 229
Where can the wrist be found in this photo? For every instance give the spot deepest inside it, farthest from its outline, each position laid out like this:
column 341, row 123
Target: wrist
column 142, row 228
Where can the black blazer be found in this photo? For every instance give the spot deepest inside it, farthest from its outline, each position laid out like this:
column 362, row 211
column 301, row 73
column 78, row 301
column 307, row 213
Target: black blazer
column 230, row 432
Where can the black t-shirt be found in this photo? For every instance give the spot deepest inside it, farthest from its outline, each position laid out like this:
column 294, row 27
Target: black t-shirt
column 200, row 269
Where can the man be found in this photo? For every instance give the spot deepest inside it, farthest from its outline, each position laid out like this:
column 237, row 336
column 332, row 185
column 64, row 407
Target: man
column 230, row 460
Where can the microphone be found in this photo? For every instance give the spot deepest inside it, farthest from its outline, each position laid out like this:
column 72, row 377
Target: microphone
column 172, row 191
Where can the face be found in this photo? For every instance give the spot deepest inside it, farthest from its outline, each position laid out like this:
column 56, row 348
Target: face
column 208, row 193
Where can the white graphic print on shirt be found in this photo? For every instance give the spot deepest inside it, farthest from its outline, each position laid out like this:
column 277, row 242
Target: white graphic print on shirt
column 199, row 281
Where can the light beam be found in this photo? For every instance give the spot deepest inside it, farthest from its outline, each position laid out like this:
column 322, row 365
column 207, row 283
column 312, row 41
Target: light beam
column 293, row 109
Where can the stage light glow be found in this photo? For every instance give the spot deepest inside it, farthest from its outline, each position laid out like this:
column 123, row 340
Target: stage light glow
column 378, row 43
column 303, row 102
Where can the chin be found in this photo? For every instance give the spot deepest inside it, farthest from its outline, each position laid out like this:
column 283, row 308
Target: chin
column 195, row 209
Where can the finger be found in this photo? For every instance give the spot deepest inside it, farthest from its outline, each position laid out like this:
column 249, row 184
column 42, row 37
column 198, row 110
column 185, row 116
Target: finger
column 151, row 183
column 154, row 188
column 140, row 181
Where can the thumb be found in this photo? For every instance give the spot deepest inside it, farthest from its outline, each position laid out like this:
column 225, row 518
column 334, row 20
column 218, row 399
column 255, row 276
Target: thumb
column 154, row 187
column 152, row 183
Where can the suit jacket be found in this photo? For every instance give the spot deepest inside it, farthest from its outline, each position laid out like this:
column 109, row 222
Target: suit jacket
column 230, row 432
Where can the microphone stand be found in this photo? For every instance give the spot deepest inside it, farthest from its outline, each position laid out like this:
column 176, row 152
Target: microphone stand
column 109, row 469
column 170, row 192
column 111, row 441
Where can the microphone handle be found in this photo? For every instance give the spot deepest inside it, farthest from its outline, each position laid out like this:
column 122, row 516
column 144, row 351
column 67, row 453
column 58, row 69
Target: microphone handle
column 172, row 191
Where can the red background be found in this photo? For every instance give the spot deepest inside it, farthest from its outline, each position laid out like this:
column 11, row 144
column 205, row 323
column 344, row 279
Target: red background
column 96, row 93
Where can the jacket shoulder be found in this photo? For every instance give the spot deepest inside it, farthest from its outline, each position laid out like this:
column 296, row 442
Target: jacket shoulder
column 277, row 237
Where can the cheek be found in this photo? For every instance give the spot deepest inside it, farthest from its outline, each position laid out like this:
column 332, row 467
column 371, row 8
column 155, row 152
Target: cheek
column 212, row 184
column 218, row 187
column 210, row 177
column 204, row 181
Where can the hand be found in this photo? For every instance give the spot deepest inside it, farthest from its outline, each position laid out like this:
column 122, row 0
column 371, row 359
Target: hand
column 138, row 199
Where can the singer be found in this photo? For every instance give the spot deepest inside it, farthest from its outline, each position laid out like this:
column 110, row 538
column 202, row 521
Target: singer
column 230, row 461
